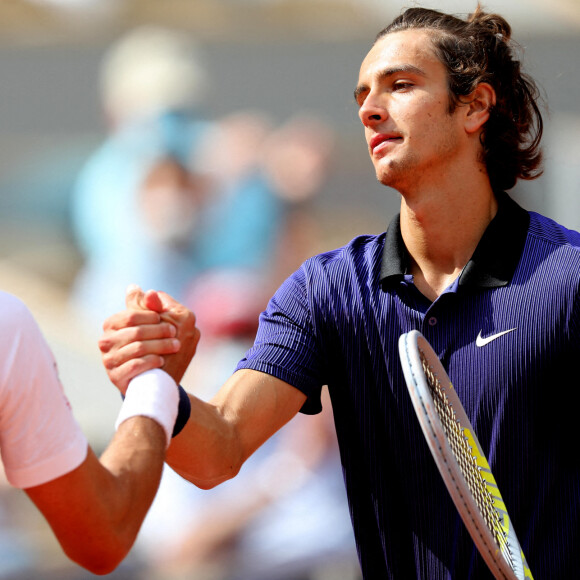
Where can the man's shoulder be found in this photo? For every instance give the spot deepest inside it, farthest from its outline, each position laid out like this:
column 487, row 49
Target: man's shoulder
column 11, row 307
column 549, row 232
column 364, row 248
column 552, row 252
column 339, row 271
column 14, row 315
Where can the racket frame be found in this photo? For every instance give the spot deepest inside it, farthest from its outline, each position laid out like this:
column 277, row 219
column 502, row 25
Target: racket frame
column 411, row 346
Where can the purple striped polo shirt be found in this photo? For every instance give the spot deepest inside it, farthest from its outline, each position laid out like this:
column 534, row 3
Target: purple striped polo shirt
column 336, row 321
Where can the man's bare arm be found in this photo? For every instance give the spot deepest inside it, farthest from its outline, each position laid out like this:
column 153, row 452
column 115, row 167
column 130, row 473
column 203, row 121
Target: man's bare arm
column 96, row 510
column 221, row 434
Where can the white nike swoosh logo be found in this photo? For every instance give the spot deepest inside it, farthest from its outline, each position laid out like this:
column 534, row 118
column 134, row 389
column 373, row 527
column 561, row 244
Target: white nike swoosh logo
column 480, row 341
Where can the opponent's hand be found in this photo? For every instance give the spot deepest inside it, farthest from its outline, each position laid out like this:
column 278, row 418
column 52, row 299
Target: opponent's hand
column 135, row 341
column 175, row 313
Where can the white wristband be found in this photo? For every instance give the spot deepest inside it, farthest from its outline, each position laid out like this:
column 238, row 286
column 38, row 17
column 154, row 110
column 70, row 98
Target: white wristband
column 152, row 394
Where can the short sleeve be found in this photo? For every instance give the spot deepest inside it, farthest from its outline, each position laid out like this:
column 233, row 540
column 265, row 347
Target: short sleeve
column 39, row 438
column 285, row 345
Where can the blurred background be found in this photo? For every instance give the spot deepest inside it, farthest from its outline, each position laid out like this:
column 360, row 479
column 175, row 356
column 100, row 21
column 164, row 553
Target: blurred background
column 206, row 147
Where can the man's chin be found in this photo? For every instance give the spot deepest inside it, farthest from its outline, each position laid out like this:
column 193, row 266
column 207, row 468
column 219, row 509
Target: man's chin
column 391, row 175
column 385, row 178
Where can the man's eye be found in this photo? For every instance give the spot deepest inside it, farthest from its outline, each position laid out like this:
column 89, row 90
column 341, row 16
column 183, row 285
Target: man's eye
column 400, row 86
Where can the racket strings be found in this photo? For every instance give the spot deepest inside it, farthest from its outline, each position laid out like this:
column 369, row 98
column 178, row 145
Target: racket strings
column 467, row 461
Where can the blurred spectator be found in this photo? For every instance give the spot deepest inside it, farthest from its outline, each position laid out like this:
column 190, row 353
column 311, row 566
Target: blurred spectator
column 138, row 185
column 260, row 220
column 170, row 195
column 297, row 160
column 243, row 212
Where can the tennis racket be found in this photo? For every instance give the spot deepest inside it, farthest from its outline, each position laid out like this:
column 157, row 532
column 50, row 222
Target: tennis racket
column 460, row 459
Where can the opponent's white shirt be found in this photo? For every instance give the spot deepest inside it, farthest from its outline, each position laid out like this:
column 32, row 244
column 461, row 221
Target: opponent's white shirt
column 40, row 439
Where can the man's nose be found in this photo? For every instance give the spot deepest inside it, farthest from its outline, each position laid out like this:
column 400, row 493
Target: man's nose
column 372, row 111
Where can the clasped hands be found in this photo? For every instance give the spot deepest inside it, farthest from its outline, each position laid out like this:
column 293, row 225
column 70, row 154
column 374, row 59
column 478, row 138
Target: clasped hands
column 154, row 331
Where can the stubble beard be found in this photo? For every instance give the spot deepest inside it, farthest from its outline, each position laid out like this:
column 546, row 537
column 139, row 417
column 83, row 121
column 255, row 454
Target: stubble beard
column 396, row 173
column 410, row 168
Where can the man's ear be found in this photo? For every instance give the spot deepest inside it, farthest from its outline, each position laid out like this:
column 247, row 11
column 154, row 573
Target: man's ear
column 479, row 106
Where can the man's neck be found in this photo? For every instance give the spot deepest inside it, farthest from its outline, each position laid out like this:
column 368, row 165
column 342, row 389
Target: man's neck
column 441, row 230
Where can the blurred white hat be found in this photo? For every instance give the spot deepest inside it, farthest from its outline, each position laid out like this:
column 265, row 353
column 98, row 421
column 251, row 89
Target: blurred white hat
column 150, row 70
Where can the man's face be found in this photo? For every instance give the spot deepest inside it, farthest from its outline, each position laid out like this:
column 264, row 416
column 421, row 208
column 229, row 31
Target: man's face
column 403, row 98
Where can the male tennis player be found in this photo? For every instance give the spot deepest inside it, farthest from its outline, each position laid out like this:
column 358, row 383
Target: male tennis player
column 451, row 122
column 95, row 508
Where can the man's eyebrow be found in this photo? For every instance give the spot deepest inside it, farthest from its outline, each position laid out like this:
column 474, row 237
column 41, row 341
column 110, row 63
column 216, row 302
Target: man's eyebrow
column 389, row 72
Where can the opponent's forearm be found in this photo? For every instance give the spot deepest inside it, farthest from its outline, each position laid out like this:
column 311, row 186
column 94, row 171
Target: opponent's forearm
column 134, row 463
column 97, row 509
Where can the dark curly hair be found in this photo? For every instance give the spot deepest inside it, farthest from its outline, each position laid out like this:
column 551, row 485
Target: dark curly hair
column 478, row 50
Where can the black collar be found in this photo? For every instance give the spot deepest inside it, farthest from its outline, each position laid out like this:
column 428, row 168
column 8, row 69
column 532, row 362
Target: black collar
column 495, row 258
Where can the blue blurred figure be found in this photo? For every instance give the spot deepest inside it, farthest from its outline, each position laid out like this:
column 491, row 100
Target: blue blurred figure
column 136, row 203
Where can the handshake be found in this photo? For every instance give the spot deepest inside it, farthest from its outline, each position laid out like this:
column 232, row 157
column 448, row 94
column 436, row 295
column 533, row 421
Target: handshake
column 154, row 332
